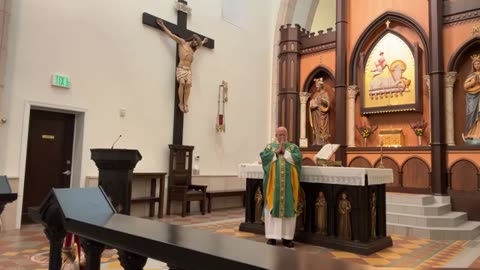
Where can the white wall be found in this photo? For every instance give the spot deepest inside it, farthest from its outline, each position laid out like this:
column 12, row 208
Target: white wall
column 325, row 16
column 302, row 9
column 114, row 62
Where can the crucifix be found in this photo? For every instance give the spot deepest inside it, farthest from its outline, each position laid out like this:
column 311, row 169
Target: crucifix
column 180, row 33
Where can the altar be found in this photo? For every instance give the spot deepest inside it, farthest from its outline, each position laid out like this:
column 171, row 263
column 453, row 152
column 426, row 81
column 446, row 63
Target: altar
column 323, row 191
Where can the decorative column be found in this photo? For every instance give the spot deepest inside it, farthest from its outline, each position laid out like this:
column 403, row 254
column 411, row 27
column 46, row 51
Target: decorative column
column 427, row 82
column 352, row 93
column 450, row 79
column 437, row 99
column 289, row 68
column 303, row 118
column 341, row 81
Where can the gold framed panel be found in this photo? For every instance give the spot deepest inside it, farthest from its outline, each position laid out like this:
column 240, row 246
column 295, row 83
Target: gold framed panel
column 390, row 77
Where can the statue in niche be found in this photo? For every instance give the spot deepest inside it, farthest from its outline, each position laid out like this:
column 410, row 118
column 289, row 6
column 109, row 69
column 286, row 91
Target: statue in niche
column 344, row 226
column 321, row 213
column 301, row 210
column 258, row 206
column 319, row 113
column 472, row 87
column 373, row 215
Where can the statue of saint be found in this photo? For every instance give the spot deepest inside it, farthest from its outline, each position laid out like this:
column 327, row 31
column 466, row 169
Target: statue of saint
column 472, row 87
column 301, row 210
column 321, row 211
column 319, row 113
column 186, row 49
column 344, row 226
column 258, row 206
column 373, row 212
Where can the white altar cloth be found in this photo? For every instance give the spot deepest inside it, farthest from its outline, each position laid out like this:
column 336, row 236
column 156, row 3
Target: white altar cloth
column 328, row 175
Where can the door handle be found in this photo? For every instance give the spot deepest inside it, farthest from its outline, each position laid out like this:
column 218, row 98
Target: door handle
column 67, row 172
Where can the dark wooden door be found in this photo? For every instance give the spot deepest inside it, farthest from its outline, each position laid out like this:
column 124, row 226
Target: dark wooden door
column 49, row 155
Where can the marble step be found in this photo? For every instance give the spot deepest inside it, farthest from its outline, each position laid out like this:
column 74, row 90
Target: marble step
column 466, row 231
column 415, row 199
column 435, row 209
column 449, row 219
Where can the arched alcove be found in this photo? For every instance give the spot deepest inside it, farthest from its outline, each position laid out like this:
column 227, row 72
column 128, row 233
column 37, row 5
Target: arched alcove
column 464, row 176
column 309, row 86
column 391, row 164
column 464, row 183
column 360, row 162
column 461, row 63
column 416, row 174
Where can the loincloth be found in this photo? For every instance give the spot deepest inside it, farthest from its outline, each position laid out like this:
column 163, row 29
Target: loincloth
column 184, row 73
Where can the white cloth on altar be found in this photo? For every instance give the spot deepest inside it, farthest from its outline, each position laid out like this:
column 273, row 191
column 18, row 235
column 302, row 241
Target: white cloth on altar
column 328, row 175
column 279, row 228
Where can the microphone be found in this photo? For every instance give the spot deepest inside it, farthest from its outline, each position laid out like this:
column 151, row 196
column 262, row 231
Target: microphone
column 116, row 140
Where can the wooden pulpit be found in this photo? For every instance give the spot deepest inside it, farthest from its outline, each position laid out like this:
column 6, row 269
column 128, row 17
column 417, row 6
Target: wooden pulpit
column 115, row 174
column 180, row 186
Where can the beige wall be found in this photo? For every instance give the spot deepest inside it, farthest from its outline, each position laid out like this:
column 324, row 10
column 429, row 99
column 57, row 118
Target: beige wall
column 454, row 36
column 114, row 62
column 5, row 7
column 310, row 62
column 325, row 15
column 9, row 215
column 141, row 188
column 361, row 13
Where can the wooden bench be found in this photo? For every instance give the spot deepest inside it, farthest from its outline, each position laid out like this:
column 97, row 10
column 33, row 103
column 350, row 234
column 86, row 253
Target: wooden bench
column 153, row 198
column 223, row 193
column 6, row 195
column 88, row 213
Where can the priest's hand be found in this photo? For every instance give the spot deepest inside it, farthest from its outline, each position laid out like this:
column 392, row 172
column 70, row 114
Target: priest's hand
column 281, row 148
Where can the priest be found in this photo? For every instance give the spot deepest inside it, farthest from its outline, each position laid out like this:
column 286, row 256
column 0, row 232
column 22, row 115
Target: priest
column 281, row 161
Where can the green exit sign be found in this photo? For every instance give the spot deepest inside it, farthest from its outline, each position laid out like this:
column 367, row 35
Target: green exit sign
column 61, row 80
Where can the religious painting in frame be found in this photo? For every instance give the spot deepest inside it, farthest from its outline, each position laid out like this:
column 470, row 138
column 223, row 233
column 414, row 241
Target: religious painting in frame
column 391, row 76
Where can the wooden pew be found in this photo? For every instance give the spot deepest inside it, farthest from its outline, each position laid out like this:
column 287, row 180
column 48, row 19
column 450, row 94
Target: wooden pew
column 88, row 213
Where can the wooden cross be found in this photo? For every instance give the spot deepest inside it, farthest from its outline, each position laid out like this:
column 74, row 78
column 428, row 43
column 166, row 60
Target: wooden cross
column 180, row 29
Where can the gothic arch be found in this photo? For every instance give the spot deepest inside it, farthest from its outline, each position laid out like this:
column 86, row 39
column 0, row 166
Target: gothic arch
column 455, row 58
column 315, row 73
column 416, row 174
column 460, row 62
column 390, row 163
column 464, row 176
column 391, row 16
column 360, row 162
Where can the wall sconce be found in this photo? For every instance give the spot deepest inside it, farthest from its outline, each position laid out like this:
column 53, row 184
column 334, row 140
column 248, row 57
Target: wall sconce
column 222, row 99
